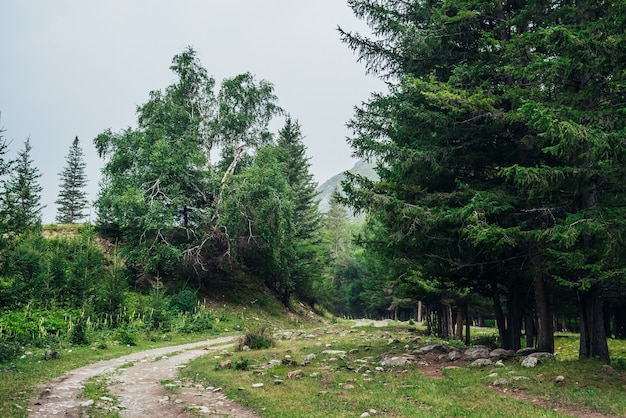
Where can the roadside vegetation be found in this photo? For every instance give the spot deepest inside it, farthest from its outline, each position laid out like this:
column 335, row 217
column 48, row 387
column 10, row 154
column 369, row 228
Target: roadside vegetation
column 335, row 372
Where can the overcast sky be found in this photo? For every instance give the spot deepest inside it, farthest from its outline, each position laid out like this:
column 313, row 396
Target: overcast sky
column 75, row 68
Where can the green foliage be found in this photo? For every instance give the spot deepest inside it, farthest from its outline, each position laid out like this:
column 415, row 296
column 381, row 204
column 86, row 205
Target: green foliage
column 242, row 364
column 185, row 301
column 21, row 203
column 72, row 198
column 256, row 339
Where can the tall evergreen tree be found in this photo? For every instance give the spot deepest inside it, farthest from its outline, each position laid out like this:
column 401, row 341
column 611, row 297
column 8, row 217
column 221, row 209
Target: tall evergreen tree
column 500, row 146
column 291, row 153
column 72, row 199
column 21, row 207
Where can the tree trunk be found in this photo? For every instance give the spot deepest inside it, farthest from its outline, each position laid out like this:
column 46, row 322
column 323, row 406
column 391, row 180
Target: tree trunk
column 619, row 323
column 529, row 327
column 419, row 311
column 467, row 322
column 459, row 322
column 500, row 321
column 592, row 336
column 545, row 328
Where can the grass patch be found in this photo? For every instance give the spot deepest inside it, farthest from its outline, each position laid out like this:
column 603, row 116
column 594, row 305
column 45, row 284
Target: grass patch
column 336, row 372
column 104, row 404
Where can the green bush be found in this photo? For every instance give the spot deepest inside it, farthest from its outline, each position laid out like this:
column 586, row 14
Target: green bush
column 491, row 341
column 243, row 364
column 126, row 335
column 185, row 301
column 9, row 350
column 258, row 339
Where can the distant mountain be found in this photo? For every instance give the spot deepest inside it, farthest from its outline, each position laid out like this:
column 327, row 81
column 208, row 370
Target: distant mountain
column 327, row 188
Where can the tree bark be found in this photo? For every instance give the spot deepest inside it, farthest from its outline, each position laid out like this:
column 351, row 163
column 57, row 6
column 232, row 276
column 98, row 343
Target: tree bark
column 593, row 342
column 545, row 328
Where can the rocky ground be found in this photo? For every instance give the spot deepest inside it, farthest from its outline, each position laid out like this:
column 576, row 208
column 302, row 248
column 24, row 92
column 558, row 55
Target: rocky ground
column 146, row 384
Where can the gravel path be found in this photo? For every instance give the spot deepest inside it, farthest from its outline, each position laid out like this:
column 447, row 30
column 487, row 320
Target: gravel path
column 136, row 384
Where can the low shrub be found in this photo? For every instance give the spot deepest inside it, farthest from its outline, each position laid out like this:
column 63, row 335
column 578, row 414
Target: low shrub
column 258, row 339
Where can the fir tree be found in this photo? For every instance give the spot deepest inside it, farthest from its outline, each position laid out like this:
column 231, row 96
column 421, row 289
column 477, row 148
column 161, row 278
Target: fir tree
column 307, row 218
column 21, row 207
column 72, row 200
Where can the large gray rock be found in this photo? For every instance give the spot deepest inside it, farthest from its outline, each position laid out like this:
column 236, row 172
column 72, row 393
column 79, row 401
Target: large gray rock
column 433, row 347
column 501, row 354
column 542, row 356
column 397, row 361
column 525, row 351
column 477, row 352
column 454, row 355
column 481, row 362
column 530, row 361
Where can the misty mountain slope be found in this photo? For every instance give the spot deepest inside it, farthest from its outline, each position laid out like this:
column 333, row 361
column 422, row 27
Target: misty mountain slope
column 327, row 188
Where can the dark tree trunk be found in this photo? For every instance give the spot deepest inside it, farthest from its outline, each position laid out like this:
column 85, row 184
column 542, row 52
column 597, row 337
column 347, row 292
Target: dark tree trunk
column 529, row 326
column 619, row 323
column 500, row 320
column 545, row 328
column 592, row 336
column 468, row 321
column 459, row 322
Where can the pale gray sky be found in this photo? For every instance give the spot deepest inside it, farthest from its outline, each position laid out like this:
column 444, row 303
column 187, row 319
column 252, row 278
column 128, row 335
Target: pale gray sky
column 76, row 67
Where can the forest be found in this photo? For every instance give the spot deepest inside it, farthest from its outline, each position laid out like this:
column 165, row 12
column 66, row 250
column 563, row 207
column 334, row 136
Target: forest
column 499, row 147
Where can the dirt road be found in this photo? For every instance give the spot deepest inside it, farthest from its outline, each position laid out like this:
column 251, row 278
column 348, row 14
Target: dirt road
column 136, row 385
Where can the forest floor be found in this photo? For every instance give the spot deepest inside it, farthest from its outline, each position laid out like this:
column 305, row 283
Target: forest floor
column 148, row 384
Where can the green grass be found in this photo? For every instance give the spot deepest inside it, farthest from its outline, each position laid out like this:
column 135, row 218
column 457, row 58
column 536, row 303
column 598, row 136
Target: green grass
column 21, row 377
column 350, row 385
column 96, row 389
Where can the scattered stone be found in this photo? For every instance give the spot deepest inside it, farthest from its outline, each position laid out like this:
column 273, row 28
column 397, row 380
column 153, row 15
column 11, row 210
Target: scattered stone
column 348, row 386
column 492, row 375
column 481, row 362
column 525, row 351
column 257, row 385
column 501, row 382
column 353, row 351
column 289, row 362
column 278, row 382
column 542, row 355
column 608, row 368
column 559, row 379
column 433, row 347
column 334, row 352
column 87, row 403
column 530, row 362
column 226, row 364
column 51, row 355
column 310, row 357
column 518, row 378
column 499, row 363
column 216, row 390
column 501, row 353
column 397, row 361
column 106, row 399
column 294, row 374
column 477, row 352
column 393, row 341
column 454, row 355
column 365, row 414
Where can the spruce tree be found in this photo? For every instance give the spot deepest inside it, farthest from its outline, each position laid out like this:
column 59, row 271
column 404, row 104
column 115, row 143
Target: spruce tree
column 501, row 149
column 21, row 207
column 291, row 153
column 72, row 199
